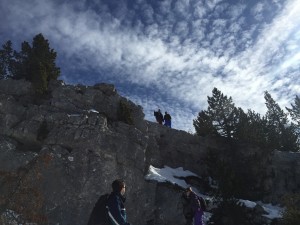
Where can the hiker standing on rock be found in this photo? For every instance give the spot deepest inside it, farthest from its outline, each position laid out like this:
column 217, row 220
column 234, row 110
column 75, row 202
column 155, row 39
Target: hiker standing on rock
column 167, row 119
column 159, row 116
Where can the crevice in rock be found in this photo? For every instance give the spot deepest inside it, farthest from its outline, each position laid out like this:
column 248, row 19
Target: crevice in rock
column 27, row 146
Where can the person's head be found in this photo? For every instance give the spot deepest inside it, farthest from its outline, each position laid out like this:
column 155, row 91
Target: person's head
column 166, row 112
column 188, row 191
column 118, row 186
column 158, row 110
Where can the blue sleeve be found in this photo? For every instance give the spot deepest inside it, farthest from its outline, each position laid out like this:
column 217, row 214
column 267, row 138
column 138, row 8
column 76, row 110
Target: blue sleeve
column 115, row 214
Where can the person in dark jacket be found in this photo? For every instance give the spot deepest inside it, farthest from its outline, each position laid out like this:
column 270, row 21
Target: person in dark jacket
column 116, row 208
column 159, row 116
column 197, row 210
column 167, row 119
column 187, row 208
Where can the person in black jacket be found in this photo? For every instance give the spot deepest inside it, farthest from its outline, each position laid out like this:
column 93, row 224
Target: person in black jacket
column 187, row 208
column 116, row 208
column 197, row 205
column 159, row 116
column 167, row 119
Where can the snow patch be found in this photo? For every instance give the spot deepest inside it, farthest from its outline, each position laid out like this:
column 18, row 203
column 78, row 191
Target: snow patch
column 172, row 175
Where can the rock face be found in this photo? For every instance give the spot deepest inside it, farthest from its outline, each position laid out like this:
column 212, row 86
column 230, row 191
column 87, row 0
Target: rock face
column 59, row 153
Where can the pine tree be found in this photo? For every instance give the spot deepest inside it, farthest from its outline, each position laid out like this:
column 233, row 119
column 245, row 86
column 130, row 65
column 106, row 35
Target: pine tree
column 223, row 113
column 291, row 215
column 242, row 127
column 34, row 63
column 295, row 111
column 6, row 58
column 203, row 125
column 41, row 64
column 42, row 56
column 281, row 135
column 295, row 114
column 251, row 128
column 20, row 68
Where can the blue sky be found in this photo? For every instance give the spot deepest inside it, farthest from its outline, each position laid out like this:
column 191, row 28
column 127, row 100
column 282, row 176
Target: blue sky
column 169, row 54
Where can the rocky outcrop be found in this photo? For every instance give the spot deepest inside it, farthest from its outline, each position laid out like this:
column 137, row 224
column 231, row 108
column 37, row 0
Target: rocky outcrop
column 74, row 142
column 61, row 151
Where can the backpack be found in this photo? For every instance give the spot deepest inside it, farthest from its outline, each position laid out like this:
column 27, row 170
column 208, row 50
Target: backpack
column 202, row 203
column 168, row 117
column 186, row 206
column 99, row 214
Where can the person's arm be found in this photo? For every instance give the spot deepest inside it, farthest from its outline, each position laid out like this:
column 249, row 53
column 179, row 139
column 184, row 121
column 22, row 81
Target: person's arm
column 114, row 211
column 194, row 202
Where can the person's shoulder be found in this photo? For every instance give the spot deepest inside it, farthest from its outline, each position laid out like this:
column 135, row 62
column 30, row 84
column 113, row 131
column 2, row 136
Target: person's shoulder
column 112, row 196
column 194, row 195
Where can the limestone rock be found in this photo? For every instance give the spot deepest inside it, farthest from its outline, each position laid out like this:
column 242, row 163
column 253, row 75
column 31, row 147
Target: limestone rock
column 69, row 146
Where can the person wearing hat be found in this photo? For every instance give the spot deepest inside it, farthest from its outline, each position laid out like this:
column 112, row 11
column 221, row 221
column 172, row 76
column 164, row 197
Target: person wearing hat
column 197, row 205
column 115, row 204
column 187, row 208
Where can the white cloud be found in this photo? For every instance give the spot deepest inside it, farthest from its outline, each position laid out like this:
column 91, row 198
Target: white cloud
column 182, row 28
column 257, row 11
column 236, row 10
column 181, row 8
column 204, row 52
column 147, row 14
column 212, row 4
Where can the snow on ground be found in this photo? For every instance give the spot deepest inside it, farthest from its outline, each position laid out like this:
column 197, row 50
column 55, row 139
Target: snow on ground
column 92, row 111
column 168, row 174
column 273, row 211
column 173, row 175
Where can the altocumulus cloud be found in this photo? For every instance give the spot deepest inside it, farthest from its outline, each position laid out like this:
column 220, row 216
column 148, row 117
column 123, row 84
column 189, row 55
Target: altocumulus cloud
column 169, row 54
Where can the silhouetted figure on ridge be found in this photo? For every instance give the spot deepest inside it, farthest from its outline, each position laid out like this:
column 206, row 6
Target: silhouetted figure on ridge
column 159, row 116
column 167, row 119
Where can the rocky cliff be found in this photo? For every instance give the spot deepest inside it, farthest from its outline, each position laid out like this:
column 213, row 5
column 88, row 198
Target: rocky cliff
column 61, row 151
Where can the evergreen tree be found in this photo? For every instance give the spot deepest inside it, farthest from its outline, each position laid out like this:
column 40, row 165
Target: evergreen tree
column 272, row 131
column 6, row 58
column 203, row 125
column 291, row 216
column 242, row 127
column 295, row 111
column 40, row 64
column 251, row 128
column 43, row 58
column 290, row 139
column 281, row 135
column 223, row 113
column 295, row 114
column 34, row 63
column 231, row 211
column 21, row 69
